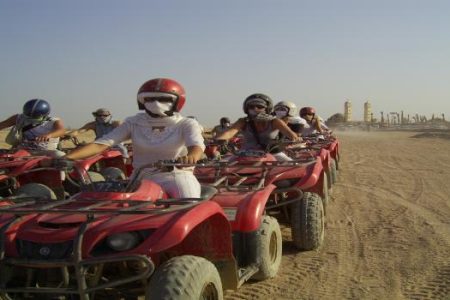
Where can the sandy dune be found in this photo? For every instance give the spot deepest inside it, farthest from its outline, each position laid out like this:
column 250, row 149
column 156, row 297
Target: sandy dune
column 388, row 226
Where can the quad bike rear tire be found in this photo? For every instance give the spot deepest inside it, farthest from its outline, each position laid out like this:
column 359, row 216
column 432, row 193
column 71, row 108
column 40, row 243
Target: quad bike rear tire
column 333, row 171
column 338, row 161
column 269, row 243
column 308, row 222
column 35, row 190
column 113, row 174
column 185, row 277
column 325, row 191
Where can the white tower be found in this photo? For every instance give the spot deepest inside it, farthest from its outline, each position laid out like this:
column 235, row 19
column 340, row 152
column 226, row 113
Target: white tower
column 347, row 111
column 367, row 112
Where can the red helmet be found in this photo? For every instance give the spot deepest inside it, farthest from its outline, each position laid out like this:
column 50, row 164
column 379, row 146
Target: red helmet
column 307, row 111
column 165, row 86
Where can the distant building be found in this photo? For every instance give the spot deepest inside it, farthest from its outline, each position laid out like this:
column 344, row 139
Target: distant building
column 367, row 112
column 347, row 111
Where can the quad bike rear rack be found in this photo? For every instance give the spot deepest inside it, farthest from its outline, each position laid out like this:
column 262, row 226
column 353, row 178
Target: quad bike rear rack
column 225, row 171
column 75, row 261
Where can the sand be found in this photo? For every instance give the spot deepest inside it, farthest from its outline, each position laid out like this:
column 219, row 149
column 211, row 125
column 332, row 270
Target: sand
column 388, row 226
column 387, row 230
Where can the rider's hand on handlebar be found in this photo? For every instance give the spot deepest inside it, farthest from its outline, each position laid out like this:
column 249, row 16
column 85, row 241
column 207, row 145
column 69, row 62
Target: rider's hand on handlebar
column 296, row 139
column 188, row 159
column 43, row 138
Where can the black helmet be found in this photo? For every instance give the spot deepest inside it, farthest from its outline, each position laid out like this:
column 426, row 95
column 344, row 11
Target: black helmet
column 224, row 120
column 36, row 108
column 261, row 98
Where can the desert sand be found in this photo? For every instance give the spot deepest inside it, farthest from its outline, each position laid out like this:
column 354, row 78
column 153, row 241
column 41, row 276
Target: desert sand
column 388, row 226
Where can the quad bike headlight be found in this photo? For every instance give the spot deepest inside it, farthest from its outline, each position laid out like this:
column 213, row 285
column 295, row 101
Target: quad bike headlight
column 123, row 241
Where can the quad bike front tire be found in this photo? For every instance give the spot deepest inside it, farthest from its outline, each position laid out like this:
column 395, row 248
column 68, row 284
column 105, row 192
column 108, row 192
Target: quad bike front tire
column 185, row 277
column 37, row 190
column 269, row 243
column 113, row 174
column 308, row 222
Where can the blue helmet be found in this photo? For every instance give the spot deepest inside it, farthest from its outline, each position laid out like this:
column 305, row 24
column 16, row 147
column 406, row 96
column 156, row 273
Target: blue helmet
column 36, row 108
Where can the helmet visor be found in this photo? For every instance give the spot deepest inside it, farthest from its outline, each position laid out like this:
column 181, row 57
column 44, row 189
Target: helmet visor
column 160, row 97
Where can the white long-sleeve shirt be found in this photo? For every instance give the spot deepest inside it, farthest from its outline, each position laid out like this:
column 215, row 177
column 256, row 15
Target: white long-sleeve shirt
column 155, row 139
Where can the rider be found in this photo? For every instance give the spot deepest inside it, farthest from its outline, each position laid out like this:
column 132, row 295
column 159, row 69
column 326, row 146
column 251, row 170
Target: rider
column 313, row 122
column 288, row 112
column 34, row 129
column 259, row 129
column 224, row 124
column 159, row 133
column 102, row 125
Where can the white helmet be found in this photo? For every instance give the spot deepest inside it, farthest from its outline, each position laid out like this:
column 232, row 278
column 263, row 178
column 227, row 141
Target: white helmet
column 292, row 110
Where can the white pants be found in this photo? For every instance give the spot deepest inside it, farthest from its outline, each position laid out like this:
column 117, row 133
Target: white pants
column 177, row 183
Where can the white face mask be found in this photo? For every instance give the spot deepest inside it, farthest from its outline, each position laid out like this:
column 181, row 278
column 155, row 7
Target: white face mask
column 281, row 114
column 158, row 108
column 103, row 120
column 252, row 112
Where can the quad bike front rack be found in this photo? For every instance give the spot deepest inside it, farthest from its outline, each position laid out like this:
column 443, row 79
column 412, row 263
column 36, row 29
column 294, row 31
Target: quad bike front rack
column 93, row 209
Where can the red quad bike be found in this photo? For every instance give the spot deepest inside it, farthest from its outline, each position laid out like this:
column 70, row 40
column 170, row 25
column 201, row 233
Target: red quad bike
column 24, row 176
column 296, row 199
column 123, row 239
column 11, row 154
column 108, row 165
column 215, row 150
column 324, row 146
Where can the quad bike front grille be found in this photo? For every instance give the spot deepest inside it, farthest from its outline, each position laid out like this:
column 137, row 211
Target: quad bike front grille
column 32, row 250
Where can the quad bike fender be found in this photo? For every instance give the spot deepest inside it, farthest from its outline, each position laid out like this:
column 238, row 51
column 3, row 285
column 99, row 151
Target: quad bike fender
column 334, row 149
column 26, row 165
column 202, row 229
column 278, row 174
column 326, row 159
column 250, row 210
column 50, row 178
column 110, row 153
column 312, row 177
column 5, row 218
column 86, row 163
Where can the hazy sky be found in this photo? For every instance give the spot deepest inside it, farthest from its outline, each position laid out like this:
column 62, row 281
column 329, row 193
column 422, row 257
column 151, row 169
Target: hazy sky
column 81, row 55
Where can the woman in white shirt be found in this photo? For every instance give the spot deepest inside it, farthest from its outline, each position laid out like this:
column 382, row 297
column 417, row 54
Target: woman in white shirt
column 159, row 133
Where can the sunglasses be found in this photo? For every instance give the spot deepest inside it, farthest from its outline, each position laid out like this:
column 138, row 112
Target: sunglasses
column 159, row 99
column 281, row 109
column 97, row 115
column 251, row 106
